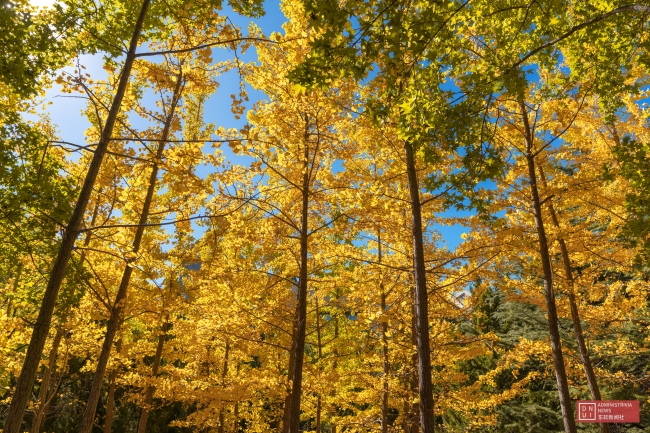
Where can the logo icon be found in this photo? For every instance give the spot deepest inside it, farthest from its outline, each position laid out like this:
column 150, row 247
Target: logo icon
column 586, row 411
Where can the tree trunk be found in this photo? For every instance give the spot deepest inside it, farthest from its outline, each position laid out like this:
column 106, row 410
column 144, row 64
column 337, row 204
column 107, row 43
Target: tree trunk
column 414, row 426
column 120, row 299
column 53, row 391
column 384, row 345
column 110, row 400
column 335, row 353
column 320, row 356
column 292, row 411
column 406, row 420
column 148, row 397
column 421, row 310
column 42, row 325
column 235, row 423
column 14, row 287
column 556, row 343
column 222, row 421
column 575, row 314
column 39, row 411
column 286, row 417
column 44, row 397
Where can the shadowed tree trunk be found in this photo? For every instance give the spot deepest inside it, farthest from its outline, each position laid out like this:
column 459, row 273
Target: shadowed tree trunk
column 415, row 408
column 420, row 301
column 319, row 401
column 110, row 399
column 235, row 422
column 222, row 421
column 292, row 410
column 554, row 332
column 287, row 400
column 148, row 397
column 44, row 398
column 53, row 391
column 384, row 345
column 14, row 287
column 43, row 394
column 112, row 379
column 27, row 376
column 575, row 314
column 120, row 299
column 335, row 352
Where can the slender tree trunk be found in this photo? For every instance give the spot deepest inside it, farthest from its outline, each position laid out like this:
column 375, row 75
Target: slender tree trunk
column 320, row 356
column 335, row 353
column 45, row 383
column 415, row 408
column 556, row 343
column 384, row 345
column 300, row 323
column 14, row 287
column 420, row 299
column 222, row 422
column 44, row 396
column 575, row 314
column 148, row 397
column 112, row 380
column 286, row 417
column 53, row 391
column 120, row 299
column 405, row 419
column 235, row 423
column 42, row 325
column 206, row 429
column 110, row 400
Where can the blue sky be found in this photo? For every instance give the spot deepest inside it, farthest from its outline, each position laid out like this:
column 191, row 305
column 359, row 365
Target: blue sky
column 66, row 110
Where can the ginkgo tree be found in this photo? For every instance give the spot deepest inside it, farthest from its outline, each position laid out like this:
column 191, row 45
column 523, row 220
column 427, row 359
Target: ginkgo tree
column 150, row 284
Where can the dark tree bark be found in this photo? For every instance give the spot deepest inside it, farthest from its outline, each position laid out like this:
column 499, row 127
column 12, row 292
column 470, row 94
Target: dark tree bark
column 421, row 310
column 335, row 353
column 110, row 399
column 222, row 422
column 292, row 411
column 575, row 313
column 44, row 397
column 148, row 397
column 73, row 229
column 405, row 419
column 319, row 341
column 414, row 422
column 235, row 422
column 287, row 400
column 556, row 343
column 120, row 299
column 384, row 346
column 43, row 393
column 14, row 287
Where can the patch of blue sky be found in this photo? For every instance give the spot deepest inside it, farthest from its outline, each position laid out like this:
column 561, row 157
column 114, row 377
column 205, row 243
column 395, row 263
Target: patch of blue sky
column 66, row 110
column 338, row 166
column 450, row 231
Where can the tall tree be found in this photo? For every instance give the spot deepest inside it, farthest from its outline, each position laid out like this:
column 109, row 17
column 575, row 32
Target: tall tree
column 73, row 228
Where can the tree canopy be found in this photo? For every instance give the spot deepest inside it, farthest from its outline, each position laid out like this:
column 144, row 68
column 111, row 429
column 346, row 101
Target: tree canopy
column 433, row 217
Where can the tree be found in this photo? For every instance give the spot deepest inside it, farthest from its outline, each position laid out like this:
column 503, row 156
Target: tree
column 73, row 227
